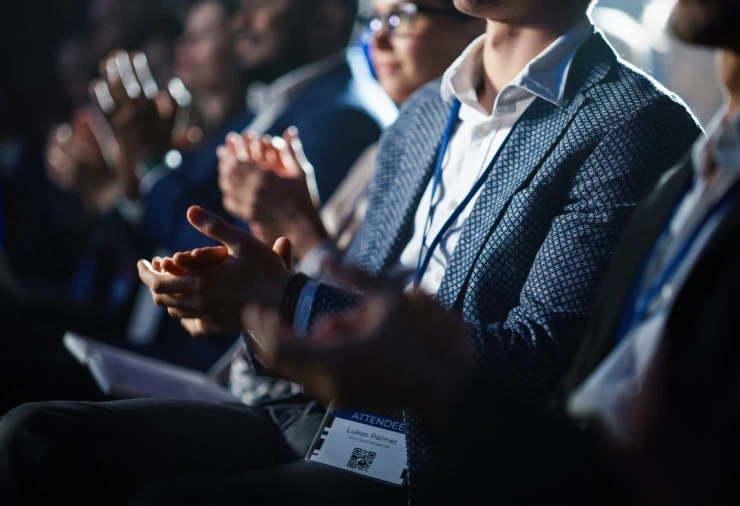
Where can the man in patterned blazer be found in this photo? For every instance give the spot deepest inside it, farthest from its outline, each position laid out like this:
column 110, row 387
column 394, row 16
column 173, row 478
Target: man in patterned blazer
column 503, row 194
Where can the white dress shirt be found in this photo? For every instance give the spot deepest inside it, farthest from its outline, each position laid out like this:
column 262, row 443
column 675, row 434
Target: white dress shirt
column 476, row 141
column 610, row 392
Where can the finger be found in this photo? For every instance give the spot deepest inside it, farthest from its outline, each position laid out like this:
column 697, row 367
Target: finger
column 284, row 249
column 236, row 143
column 179, row 92
column 157, row 264
column 216, row 228
column 210, row 255
column 180, row 303
column 129, row 80
column 293, row 139
column 163, row 283
column 77, row 149
column 166, row 105
column 115, row 82
column 270, row 156
column 198, row 328
column 201, row 258
column 83, row 125
column 223, row 153
column 144, row 75
column 254, row 148
column 101, row 96
column 168, row 265
column 62, row 169
column 285, row 148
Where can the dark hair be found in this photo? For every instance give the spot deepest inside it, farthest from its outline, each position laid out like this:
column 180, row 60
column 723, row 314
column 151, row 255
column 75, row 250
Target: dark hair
column 352, row 9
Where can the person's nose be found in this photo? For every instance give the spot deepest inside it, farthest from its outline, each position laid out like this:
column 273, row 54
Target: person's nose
column 381, row 40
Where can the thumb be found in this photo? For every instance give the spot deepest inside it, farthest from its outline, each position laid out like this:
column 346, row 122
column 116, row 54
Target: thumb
column 284, row 249
column 216, row 228
column 295, row 147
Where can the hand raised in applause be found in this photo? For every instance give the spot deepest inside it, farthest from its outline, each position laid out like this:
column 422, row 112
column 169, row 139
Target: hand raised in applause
column 75, row 162
column 144, row 119
column 268, row 182
column 397, row 351
column 208, row 288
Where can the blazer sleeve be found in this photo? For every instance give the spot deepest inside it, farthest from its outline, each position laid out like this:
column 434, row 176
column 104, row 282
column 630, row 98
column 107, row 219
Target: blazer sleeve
column 536, row 342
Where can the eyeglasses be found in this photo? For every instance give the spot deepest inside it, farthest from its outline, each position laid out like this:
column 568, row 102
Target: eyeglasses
column 401, row 20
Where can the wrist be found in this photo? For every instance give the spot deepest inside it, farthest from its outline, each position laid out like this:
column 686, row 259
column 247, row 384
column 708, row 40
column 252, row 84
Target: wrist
column 307, row 235
column 290, row 297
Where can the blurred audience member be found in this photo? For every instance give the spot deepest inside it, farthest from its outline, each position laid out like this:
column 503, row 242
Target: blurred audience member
column 206, row 65
column 411, row 44
column 274, row 189
column 688, row 70
column 629, row 38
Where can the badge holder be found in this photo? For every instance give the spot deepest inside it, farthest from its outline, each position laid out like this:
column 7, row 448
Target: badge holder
column 372, row 446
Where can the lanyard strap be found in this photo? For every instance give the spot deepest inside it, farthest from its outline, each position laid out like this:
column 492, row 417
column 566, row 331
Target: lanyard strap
column 424, row 259
column 639, row 303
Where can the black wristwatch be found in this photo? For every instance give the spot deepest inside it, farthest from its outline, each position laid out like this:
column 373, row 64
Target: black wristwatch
column 292, row 293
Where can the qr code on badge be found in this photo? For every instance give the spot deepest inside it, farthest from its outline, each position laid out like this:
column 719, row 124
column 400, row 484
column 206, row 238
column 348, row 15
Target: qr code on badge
column 361, row 460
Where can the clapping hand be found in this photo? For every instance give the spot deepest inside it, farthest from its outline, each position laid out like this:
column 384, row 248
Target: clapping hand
column 268, row 182
column 145, row 120
column 206, row 289
column 76, row 162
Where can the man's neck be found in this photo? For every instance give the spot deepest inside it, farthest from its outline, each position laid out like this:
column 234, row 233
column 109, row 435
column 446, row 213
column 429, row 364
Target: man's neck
column 731, row 79
column 507, row 50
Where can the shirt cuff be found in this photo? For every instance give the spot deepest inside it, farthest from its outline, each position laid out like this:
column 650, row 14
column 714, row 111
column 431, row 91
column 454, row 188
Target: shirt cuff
column 302, row 318
column 311, row 263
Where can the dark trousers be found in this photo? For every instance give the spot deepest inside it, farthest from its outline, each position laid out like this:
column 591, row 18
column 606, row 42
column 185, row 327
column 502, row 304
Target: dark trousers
column 163, row 452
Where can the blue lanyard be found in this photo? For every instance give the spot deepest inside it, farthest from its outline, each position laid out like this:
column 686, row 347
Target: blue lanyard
column 638, row 305
column 423, row 262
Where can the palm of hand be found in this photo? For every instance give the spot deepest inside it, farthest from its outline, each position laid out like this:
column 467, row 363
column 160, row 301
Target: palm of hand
column 266, row 182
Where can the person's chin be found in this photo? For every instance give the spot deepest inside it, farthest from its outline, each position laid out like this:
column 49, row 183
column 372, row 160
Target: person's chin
column 472, row 7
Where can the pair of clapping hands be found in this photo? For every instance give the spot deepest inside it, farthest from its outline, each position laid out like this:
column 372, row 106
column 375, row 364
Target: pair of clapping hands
column 129, row 121
column 269, row 182
column 417, row 355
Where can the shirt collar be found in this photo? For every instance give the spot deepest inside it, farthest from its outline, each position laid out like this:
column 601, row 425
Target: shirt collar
column 545, row 76
column 261, row 96
column 722, row 144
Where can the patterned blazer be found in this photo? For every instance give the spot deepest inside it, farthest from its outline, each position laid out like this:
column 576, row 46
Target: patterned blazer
column 535, row 248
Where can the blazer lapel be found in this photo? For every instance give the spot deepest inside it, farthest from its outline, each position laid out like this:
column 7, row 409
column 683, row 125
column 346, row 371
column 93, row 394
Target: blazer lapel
column 530, row 143
column 410, row 180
